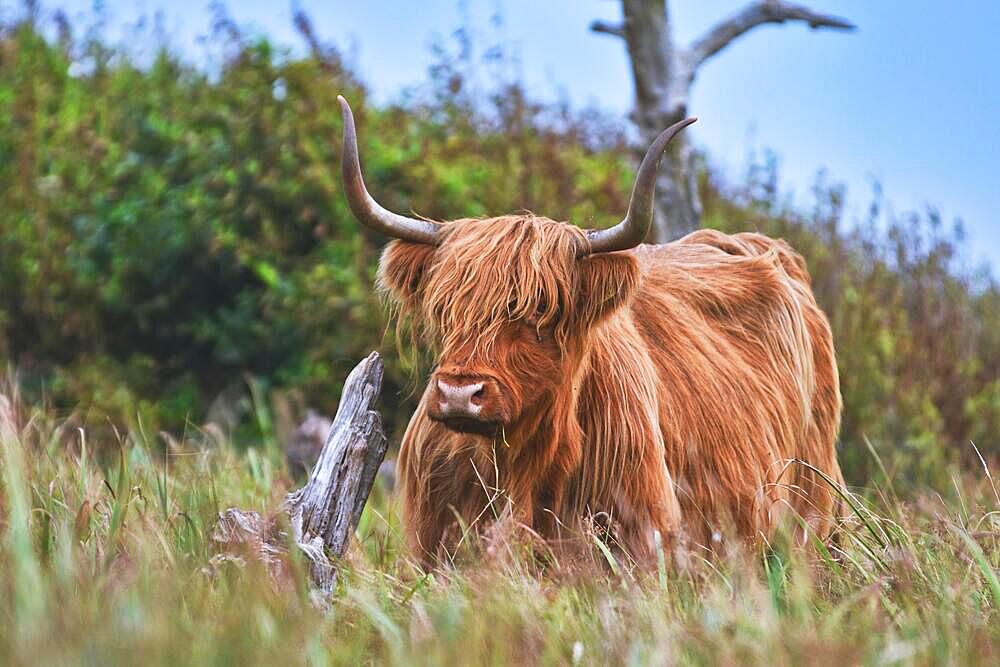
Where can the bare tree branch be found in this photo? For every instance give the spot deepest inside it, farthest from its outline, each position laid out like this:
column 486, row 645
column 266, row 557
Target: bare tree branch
column 663, row 73
column 615, row 29
column 755, row 14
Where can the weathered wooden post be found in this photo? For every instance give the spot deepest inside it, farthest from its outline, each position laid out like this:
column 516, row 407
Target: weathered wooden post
column 324, row 513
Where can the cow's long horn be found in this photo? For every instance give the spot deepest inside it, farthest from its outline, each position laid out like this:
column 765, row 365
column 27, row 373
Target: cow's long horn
column 631, row 231
column 365, row 208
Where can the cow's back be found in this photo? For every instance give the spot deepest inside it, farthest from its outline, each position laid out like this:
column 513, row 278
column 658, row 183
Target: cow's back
column 747, row 381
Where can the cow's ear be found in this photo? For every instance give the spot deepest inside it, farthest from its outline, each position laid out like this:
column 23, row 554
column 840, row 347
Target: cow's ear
column 607, row 282
column 402, row 268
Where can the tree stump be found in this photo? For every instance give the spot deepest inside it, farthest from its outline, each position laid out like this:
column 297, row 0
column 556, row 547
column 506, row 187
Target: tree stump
column 324, row 513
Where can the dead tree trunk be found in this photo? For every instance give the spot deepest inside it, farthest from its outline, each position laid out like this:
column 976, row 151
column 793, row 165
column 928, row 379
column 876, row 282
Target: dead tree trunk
column 324, row 513
column 663, row 73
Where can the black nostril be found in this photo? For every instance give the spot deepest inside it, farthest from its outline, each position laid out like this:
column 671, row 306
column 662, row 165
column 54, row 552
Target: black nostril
column 480, row 393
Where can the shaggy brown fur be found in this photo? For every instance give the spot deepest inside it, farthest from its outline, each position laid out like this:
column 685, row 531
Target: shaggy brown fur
column 667, row 386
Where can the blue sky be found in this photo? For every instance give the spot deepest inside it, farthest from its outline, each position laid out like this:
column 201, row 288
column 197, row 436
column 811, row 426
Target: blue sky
column 912, row 98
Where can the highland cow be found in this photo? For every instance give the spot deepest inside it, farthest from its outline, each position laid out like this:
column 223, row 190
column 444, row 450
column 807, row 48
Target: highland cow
column 670, row 389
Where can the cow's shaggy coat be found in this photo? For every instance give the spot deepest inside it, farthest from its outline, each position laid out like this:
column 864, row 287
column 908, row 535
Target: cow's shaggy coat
column 667, row 386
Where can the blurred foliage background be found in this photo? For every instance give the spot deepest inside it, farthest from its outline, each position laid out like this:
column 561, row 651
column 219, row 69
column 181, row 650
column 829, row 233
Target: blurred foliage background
column 174, row 246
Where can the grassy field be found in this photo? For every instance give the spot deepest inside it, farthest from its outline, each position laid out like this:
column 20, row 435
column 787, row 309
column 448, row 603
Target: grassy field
column 107, row 559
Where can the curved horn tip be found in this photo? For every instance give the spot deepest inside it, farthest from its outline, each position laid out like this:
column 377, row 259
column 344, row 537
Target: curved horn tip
column 680, row 125
column 345, row 108
column 633, row 229
column 368, row 211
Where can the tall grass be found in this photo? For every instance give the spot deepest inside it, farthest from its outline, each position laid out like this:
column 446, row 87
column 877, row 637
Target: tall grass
column 111, row 562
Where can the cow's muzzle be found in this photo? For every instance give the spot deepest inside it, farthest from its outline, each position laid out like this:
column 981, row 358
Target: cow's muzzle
column 465, row 404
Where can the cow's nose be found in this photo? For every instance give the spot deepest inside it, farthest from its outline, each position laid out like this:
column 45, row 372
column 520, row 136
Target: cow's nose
column 458, row 400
